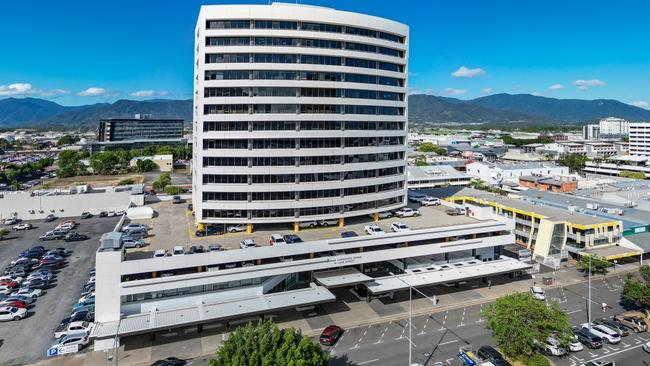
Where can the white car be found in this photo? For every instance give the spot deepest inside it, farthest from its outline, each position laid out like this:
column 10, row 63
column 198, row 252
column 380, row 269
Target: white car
column 178, row 251
column 398, row 227
column 236, row 228
column 135, row 226
column 77, row 339
column 10, row 221
column 87, row 297
column 159, row 253
column 604, row 332
column 416, row 197
column 23, row 226
column 247, row 243
column 575, row 345
column 75, row 327
column 65, row 226
column 8, row 313
column 407, row 212
column 5, row 290
column 538, row 293
column 373, row 230
column 33, row 292
column 382, row 215
column 646, row 347
column 553, row 347
column 430, row 201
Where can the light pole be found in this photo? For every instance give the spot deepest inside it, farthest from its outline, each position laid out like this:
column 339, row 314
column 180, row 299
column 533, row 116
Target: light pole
column 433, row 301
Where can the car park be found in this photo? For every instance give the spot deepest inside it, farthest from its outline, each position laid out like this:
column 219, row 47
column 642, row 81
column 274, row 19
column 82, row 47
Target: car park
column 247, row 243
column 349, row 234
column 588, row 338
column 23, row 226
column 178, row 251
column 373, row 230
column 129, row 242
column 407, row 212
column 538, row 293
column 634, row 323
column 430, row 201
column 74, row 236
column 292, row 239
column 608, row 335
column 399, row 227
column 489, row 354
column 10, row 313
column 277, row 239
column 613, row 325
column 330, row 335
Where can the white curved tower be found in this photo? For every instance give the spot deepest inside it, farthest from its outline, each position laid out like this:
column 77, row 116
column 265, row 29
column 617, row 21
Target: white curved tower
column 300, row 114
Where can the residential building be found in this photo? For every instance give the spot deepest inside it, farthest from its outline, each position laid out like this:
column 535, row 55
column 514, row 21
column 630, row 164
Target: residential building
column 613, row 127
column 639, row 143
column 141, row 127
column 497, row 173
column 591, row 132
column 300, row 113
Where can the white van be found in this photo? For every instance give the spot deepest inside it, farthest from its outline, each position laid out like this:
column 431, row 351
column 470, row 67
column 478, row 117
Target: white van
column 178, row 251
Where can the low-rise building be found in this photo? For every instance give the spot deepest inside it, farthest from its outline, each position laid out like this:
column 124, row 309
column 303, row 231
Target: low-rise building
column 435, row 176
column 497, row 173
column 165, row 163
column 559, row 184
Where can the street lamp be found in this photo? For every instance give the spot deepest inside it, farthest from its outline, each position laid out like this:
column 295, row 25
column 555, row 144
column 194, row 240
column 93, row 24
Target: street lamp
column 433, row 301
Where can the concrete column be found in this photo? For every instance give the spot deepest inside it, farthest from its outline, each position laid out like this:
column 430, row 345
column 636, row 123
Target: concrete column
column 376, row 217
column 199, row 269
column 154, row 274
column 342, row 222
column 296, row 227
column 249, row 228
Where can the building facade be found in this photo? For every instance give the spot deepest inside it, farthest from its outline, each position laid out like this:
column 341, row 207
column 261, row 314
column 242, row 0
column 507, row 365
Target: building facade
column 613, row 127
column 499, row 173
column 639, row 139
column 141, row 127
column 300, row 113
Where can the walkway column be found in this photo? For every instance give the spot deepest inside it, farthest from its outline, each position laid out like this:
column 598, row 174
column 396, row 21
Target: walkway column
column 296, row 227
column 249, row 228
column 342, row 222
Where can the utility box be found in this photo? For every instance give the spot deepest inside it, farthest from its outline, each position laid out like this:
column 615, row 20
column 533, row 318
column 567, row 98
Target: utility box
column 547, row 281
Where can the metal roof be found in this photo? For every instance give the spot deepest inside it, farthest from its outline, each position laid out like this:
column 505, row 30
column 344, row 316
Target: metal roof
column 341, row 277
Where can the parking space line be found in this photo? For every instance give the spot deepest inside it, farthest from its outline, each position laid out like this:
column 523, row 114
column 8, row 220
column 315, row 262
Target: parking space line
column 448, row 342
column 369, row 361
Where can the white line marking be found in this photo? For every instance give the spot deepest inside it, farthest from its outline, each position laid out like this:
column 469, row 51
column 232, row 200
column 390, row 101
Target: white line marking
column 369, row 361
column 450, row 342
column 574, row 311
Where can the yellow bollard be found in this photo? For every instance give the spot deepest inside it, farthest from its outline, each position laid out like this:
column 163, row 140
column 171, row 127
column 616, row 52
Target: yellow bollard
column 342, row 222
column 249, row 228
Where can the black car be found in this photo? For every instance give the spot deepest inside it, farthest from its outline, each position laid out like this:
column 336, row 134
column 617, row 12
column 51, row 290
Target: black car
column 177, row 200
column 170, row 361
column 78, row 316
column 588, row 339
column 488, row 353
column 348, row 234
column 210, row 230
column 194, row 249
column 103, row 214
column 292, row 238
column 35, row 284
column 74, row 236
column 50, row 218
column 86, row 215
column 190, row 207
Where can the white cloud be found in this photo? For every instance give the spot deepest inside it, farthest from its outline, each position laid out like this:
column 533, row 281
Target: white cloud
column 586, row 84
column 537, row 94
column 16, row 89
column 452, row 91
column 556, row 87
column 143, row 93
column 464, row 72
column 641, row 104
column 487, row 91
column 92, row 92
column 163, row 93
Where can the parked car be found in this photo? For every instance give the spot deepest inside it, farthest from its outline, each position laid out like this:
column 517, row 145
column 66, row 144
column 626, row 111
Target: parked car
column 575, row 345
column 67, row 226
column 634, row 323
column 416, row 197
column 170, row 361
column 407, row 212
column 215, row 248
column 457, row 211
column 13, row 303
column 646, row 347
column 135, row 226
column 430, row 201
column 86, row 304
column 589, row 339
column 608, row 335
column 86, row 215
column 552, row 347
column 50, row 218
column 292, row 238
column 50, row 235
column 328, row 222
column 74, row 236
column 236, row 228
column 129, row 242
column 80, row 340
column 74, row 327
column 76, row 317
column 349, row 234
column 538, row 293
column 103, row 214
column 399, row 227
column 247, row 243
column 196, row 249
column 23, row 226
column 330, row 335
column 373, row 230
column 135, row 232
column 8, row 313
column 209, row 230
column 177, row 200
column 382, row 215
column 489, row 354
column 159, row 253
column 613, row 325
column 111, row 213
column 277, row 239
column 33, row 292
column 36, row 283
column 178, row 251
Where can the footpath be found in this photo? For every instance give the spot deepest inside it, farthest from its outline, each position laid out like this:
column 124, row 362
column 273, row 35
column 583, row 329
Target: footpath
column 348, row 312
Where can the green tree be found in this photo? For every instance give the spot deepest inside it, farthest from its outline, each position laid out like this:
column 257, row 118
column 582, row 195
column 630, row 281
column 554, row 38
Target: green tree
column 431, row 147
column 12, row 175
column 67, row 140
column 145, row 165
column 638, row 289
column 68, row 164
column 173, row 190
column 3, row 233
column 125, row 182
column 575, row 162
column 421, row 162
column 520, row 322
column 163, row 181
column 598, row 264
column 264, row 344
column 633, row 175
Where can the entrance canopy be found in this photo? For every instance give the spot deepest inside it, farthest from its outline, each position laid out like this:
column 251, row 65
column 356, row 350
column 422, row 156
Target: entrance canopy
column 341, row 277
column 454, row 272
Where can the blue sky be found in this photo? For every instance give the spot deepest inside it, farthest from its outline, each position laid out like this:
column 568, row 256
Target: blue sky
column 82, row 52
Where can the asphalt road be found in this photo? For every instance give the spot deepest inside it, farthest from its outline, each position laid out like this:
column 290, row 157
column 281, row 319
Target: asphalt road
column 27, row 340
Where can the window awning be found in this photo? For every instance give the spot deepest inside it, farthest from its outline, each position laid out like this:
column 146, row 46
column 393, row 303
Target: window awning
column 456, row 272
column 341, row 277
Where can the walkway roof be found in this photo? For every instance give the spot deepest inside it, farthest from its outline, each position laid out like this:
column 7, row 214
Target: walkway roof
column 341, row 277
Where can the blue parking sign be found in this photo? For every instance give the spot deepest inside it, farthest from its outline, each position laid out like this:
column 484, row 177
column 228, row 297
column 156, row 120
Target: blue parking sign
column 54, row 351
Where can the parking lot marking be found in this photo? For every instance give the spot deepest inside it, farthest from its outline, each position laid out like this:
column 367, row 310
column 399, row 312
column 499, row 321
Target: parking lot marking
column 612, row 354
column 369, row 361
column 449, row 342
column 574, row 311
column 449, row 360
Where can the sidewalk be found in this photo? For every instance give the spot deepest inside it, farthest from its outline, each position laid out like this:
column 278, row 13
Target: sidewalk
column 348, row 312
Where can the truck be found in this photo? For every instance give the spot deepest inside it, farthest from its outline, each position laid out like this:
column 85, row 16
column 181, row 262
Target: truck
column 456, row 211
column 630, row 204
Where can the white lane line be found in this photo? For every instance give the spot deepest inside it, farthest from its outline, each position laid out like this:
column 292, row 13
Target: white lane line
column 450, row 342
column 449, row 360
column 612, row 354
column 574, row 311
column 369, row 361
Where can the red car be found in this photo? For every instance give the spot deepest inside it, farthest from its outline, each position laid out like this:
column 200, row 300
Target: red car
column 9, row 283
column 330, row 335
column 14, row 303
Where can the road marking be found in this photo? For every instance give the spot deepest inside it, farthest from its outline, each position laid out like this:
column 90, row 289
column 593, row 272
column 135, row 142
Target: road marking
column 449, row 360
column 612, row 354
column 450, row 342
column 369, row 361
column 574, row 311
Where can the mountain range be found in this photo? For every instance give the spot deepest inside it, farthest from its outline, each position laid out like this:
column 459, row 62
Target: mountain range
column 497, row 109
